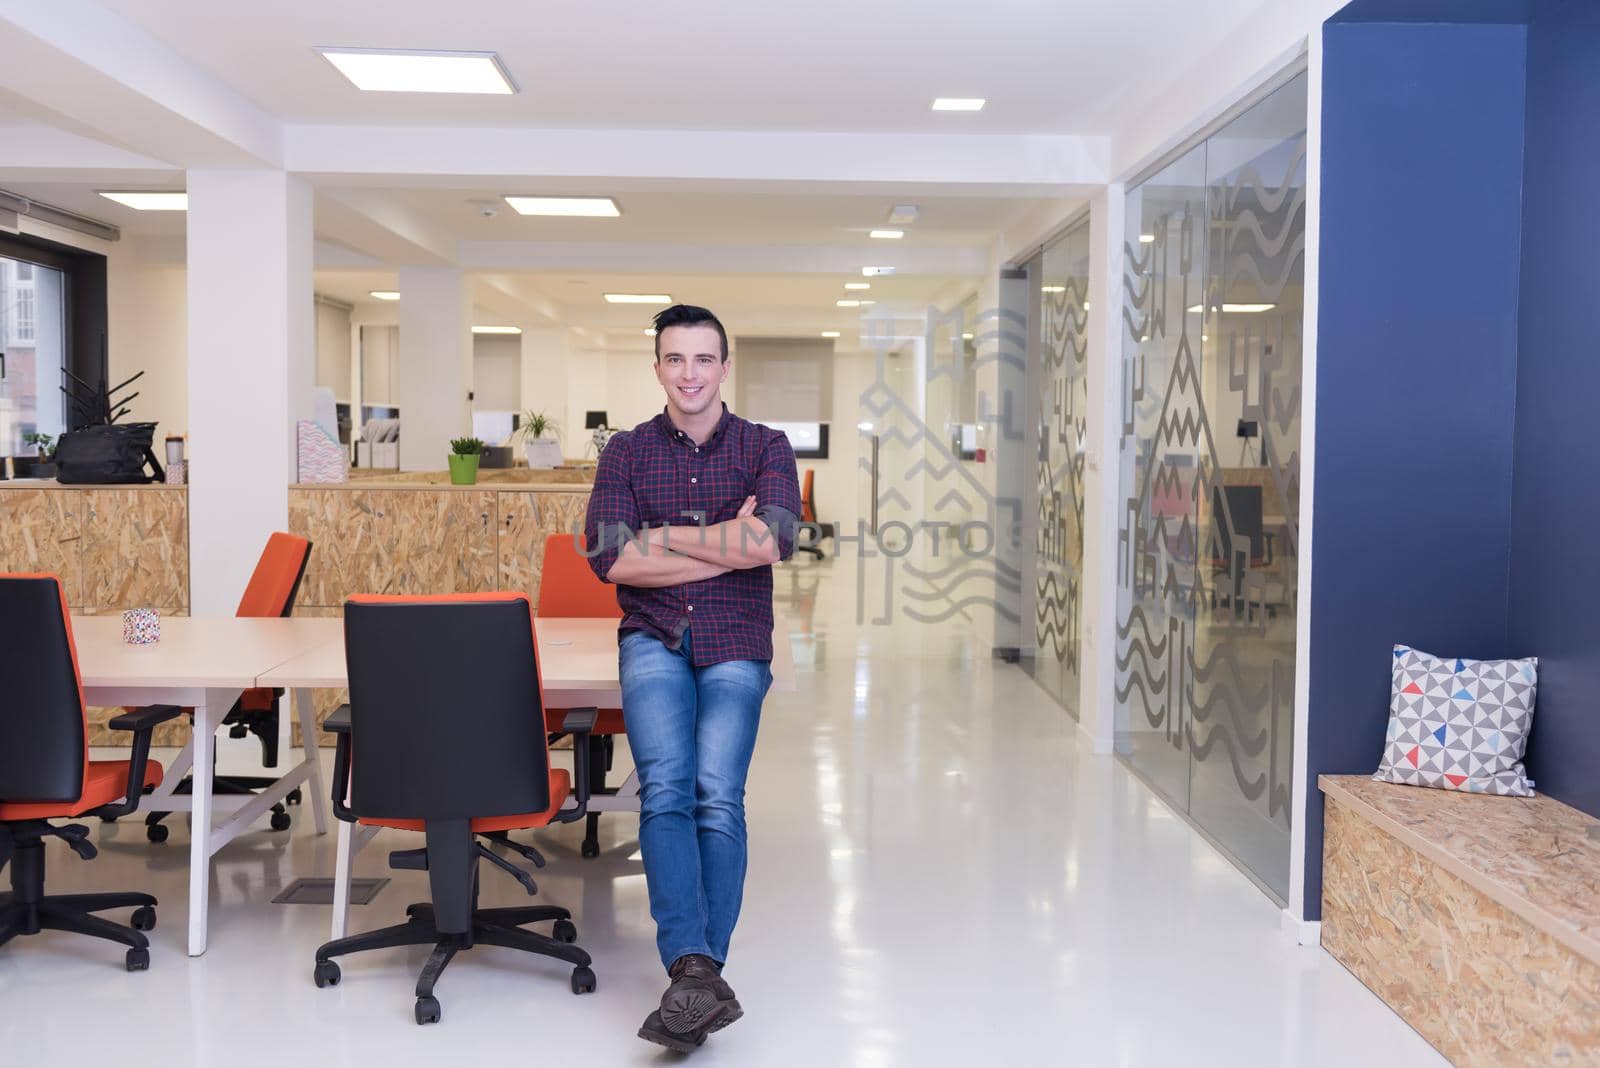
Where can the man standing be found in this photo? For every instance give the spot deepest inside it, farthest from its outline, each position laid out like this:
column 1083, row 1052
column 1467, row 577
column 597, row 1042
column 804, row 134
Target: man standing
column 689, row 512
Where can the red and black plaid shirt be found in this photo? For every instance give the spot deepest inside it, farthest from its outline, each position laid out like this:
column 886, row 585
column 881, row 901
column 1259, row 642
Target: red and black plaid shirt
column 655, row 475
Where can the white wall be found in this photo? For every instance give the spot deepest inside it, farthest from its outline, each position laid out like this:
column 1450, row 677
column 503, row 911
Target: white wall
column 333, row 349
column 148, row 330
column 496, row 372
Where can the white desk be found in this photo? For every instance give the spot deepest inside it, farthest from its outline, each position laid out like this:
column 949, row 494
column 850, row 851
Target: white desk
column 577, row 668
column 205, row 664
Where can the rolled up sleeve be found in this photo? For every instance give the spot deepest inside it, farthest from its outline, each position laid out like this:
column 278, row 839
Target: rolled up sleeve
column 613, row 515
column 778, row 493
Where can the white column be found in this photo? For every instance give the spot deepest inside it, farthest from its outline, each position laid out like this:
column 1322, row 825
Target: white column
column 251, row 357
column 1103, row 430
column 544, row 383
column 435, row 365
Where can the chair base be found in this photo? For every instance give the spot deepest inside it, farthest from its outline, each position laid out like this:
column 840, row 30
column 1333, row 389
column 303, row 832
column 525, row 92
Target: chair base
column 490, row 927
column 72, row 912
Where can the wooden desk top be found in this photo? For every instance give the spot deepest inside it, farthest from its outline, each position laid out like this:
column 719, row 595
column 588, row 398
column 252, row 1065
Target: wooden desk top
column 1537, row 857
column 226, row 653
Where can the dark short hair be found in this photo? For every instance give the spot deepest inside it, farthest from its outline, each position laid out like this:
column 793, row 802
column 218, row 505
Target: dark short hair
column 688, row 315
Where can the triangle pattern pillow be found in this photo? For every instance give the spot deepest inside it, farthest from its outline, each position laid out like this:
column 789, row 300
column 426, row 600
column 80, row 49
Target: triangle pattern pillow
column 1459, row 724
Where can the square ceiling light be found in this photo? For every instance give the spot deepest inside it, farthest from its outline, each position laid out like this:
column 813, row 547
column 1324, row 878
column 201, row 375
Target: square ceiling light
column 830, row 333
column 858, row 285
column 398, row 70
column 384, row 294
column 497, row 330
column 901, row 214
column 150, row 201
column 876, row 272
column 567, row 207
column 959, row 103
column 887, row 235
column 638, row 298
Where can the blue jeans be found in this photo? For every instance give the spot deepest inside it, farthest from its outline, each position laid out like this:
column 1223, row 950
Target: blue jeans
column 692, row 732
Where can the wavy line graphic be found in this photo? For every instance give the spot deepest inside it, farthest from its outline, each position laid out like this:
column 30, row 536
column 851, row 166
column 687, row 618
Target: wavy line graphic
column 1251, row 788
column 1008, row 614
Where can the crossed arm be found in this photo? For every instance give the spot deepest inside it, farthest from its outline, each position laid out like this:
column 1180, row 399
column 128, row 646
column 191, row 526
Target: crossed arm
column 669, row 556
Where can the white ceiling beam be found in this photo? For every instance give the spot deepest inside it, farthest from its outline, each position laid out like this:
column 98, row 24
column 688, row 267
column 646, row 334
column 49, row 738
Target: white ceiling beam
column 641, row 257
column 1003, row 161
column 384, row 229
column 102, row 71
column 35, row 151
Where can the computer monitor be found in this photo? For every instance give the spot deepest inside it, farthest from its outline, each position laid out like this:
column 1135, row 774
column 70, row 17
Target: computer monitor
column 594, row 420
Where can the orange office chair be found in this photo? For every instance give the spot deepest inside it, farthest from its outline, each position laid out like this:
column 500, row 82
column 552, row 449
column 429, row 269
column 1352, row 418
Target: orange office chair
column 46, row 773
column 808, row 516
column 568, row 589
column 446, row 714
column 269, row 593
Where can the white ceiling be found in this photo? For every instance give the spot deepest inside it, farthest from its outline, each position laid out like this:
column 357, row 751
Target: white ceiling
column 824, row 65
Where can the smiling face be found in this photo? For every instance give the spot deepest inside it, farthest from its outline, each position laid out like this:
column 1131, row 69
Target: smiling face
column 691, row 369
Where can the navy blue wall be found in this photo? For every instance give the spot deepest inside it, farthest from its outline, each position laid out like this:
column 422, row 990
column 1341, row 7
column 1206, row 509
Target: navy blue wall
column 1422, row 131
column 1555, row 581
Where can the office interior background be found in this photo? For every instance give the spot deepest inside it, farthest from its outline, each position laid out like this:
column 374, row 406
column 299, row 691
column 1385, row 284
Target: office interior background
column 1150, row 399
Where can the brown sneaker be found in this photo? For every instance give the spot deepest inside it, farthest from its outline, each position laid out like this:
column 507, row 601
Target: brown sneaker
column 656, row 1031
column 699, row 999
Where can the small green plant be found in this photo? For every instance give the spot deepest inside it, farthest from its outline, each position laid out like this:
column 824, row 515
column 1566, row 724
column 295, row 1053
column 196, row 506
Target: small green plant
column 534, row 425
column 466, row 446
column 43, row 441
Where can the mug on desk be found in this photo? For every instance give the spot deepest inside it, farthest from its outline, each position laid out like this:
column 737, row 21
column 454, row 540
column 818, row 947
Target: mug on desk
column 141, row 626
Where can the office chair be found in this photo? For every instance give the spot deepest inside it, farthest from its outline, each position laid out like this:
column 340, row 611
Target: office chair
column 568, row 588
column 1242, row 520
column 46, row 773
column 269, row 593
column 447, row 715
column 808, row 515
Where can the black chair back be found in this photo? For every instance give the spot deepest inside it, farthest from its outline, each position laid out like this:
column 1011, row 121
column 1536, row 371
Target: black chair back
column 445, row 712
column 42, row 732
column 1244, row 511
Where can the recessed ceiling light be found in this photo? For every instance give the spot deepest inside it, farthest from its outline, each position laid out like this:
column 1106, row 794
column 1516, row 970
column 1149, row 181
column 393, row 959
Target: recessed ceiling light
column 384, row 294
column 858, row 285
column 571, row 207
column 958, row 103
column 868, row 303
column 830, row 333
column 901, row 214
column 966, row 337
column 497, row 330
column 1146, row 239
column 638, row 298
column 1052, row 289
column 1145, row 338
column 150, row 201
column 398, row 70
column 848, row 303
column 1236, row 309
column 1204, row 337
column 876, row 272
column 887, row 235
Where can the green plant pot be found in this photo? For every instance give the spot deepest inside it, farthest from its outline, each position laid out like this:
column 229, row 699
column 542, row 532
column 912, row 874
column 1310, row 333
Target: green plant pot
column 463, row 470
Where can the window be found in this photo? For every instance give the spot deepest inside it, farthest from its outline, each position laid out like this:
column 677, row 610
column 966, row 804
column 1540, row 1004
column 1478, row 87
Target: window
column 32, row 353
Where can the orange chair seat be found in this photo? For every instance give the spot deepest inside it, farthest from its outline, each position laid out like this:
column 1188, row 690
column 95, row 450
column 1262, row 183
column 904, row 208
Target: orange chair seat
column 560, row 790
column 105, row 782
column 609, row 721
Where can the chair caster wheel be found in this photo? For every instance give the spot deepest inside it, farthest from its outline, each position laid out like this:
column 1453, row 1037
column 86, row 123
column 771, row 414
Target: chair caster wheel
column 138, row 960
column 280, row 820
column 294, row 797
column 108, row 819
column 428, row 1010
column 565, row 931
column 157, row 832
column 583, row 980
column 591, row 848
column 327, row 974
column 144, row 918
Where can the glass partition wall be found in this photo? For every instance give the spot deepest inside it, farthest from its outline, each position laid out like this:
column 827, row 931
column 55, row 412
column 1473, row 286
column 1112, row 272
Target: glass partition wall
column 1208, row 539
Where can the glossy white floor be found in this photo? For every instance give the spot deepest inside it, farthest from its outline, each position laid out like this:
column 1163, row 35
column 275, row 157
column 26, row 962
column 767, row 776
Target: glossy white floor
column 939, row 875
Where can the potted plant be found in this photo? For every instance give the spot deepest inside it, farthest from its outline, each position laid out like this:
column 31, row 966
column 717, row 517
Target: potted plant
column 464, row 453
column 540, row 450
column 35, row 466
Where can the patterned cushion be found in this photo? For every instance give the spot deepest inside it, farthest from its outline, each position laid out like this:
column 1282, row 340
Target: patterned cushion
column 1459, row 724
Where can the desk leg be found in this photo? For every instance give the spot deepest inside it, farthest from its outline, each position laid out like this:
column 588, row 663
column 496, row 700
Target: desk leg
column 205, row 747
column 341, row 881
column 308, row 745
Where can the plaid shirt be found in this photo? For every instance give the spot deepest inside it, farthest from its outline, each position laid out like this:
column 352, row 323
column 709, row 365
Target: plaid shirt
column 655, row 475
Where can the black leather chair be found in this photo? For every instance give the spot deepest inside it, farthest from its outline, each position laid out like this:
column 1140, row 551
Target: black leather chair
column 446, row 715
column 46, row 773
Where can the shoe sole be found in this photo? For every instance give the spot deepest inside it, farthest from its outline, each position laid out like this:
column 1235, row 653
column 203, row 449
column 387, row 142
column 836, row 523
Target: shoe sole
column 731, row 1013
column 686, row 1011
column 676, row 1043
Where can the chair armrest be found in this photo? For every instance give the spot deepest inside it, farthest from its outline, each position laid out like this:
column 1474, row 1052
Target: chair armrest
column 339, row 724
column 579, row 722
column 141, row 721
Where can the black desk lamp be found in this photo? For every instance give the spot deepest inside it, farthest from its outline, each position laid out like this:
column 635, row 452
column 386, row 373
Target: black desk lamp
column 594, row 420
